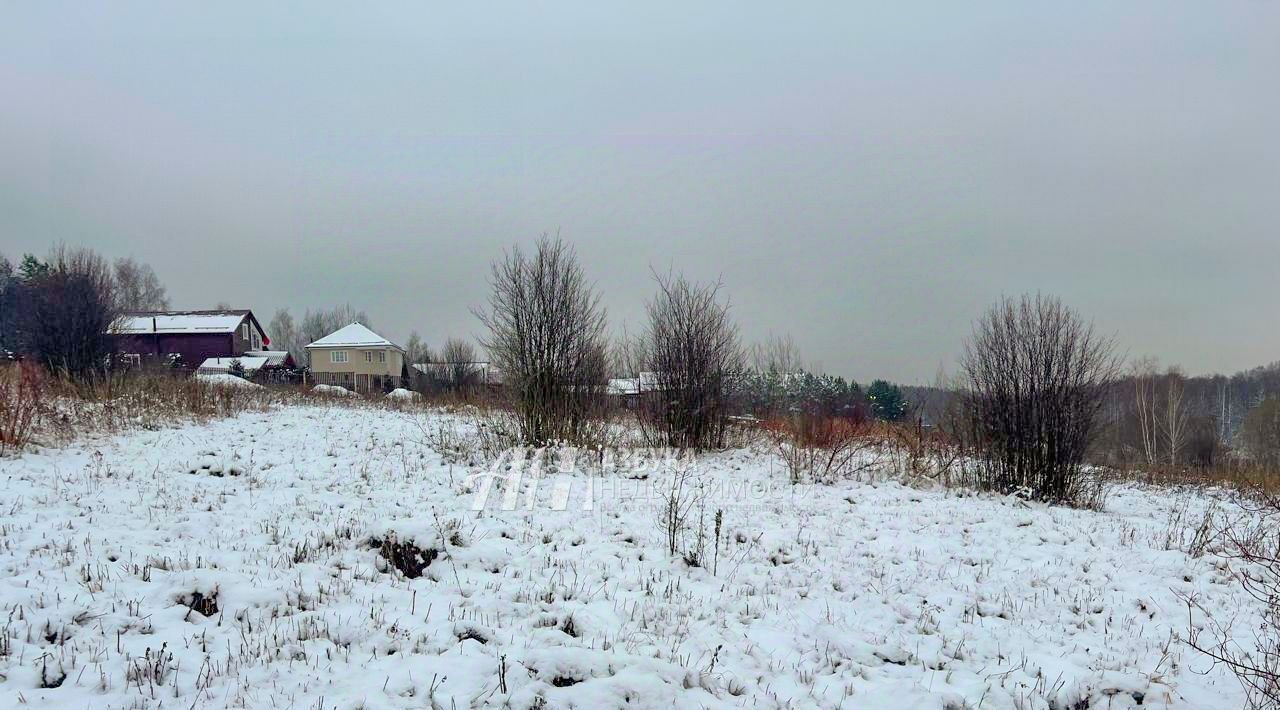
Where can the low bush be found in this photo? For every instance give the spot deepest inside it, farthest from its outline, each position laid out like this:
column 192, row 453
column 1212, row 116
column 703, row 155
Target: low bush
column 1251, row 546
column 918, row 452
column 474, row 436
column 22, row 402
column 822, row 449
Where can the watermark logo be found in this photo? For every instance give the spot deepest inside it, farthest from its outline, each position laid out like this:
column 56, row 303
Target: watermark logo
column 568, row 478
column 519, row 473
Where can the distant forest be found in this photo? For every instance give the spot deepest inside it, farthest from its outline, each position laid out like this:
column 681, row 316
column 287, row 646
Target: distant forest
column 1209, row 407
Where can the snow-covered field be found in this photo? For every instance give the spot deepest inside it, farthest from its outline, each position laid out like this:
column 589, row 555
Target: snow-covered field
column 241, row 563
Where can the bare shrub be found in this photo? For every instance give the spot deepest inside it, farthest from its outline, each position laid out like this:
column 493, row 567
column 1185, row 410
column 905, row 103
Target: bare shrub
column 1252, row 547
column 21, row 404
column 546, row 334
column 924, row 453
column 1190, row 530
column 692, row 346
column 683, row 493
column 1036, row 379
column 822, row 449
column 931, row 444
column 478, row 436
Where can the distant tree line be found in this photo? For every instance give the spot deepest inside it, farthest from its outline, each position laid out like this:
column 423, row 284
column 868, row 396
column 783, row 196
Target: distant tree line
column 1163, row 417
column 769, row 394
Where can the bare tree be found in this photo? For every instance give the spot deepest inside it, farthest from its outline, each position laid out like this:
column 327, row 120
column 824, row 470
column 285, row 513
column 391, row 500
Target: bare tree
column 1037, row 377
column 546, row 333
column 693, row 349
column 777, row 354
column 1175, row 419
column 8, row 306
column 1164, row 420
column 462, row 372
column 1144, row 385
column 626, row 355
column 285, row 335
column 138, row 288
column 416, row 351
column 64, row 315
column 1261, row 432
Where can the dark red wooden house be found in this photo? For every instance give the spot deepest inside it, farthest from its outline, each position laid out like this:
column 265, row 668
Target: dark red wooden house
column 190, row 337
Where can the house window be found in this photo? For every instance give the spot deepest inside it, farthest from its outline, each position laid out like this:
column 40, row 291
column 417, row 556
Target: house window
column 338, row 356
column 382, row 356
column 368, row 356
column 244, row 331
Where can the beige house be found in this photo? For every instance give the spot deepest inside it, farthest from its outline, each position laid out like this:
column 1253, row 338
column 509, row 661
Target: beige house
column 358, row 359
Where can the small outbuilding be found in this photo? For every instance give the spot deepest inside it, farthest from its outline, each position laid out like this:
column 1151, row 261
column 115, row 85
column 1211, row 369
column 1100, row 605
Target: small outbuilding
column 258, row 365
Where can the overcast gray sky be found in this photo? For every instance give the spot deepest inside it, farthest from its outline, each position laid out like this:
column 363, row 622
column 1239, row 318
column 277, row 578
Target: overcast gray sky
column 867, row 177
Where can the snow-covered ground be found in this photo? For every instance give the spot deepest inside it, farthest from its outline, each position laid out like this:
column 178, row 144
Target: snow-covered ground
column 243, row 563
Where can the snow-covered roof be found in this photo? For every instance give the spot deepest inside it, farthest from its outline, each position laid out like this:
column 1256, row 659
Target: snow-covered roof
column 178, row 322
column 646, row 382
column 354, row 335
column 275, row 358
column 223, row 364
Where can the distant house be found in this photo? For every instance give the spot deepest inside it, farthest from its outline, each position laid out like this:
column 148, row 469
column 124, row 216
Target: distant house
column 358, row 359
column 190, row 337
column 629, row 390
column 259, row 365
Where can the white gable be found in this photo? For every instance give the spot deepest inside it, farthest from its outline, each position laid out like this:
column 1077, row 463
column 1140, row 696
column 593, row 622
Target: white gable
column 353, row 336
